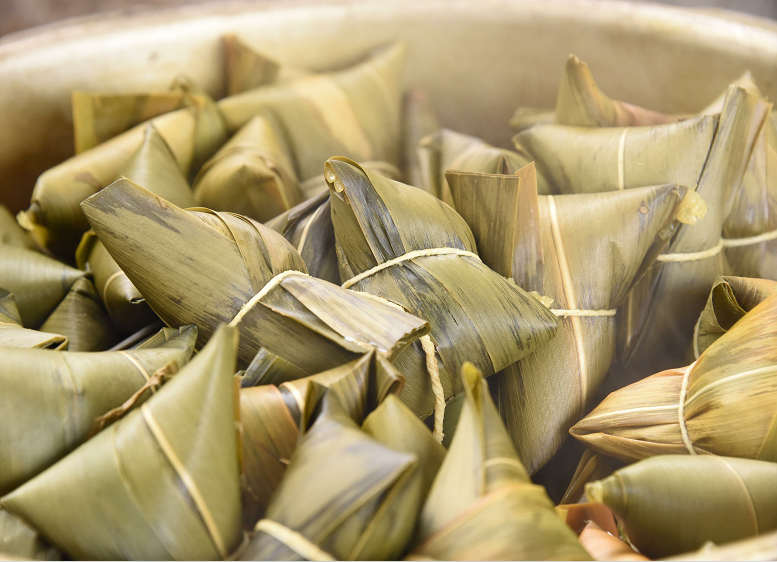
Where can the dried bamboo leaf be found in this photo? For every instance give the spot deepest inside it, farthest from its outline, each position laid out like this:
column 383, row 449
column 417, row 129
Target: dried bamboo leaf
column 448, row 150
column 308, row 227
column 100, row 116
column 592, row 160
column 551, row 245
column 418, row 121
column 723, row 404
column 350, row 493
column 82, row 319
column 13, row 334
column 525, row 117
column 20, row 542
column 251, row 174
column 482, row 504
column 37, row 282
column 475, row 314
column 54, row 397
column 125, row 305
column 745, row 81
column 193, row 135
column 213, row 264
column 581, row 103
column 661, row 311
column 163, row 483
column 272, row 418
column 355, row 112
column 245, row 68
column 666, row 504
column 12, row 234
column 753, row 549
column 730, row 299
column 603, row 545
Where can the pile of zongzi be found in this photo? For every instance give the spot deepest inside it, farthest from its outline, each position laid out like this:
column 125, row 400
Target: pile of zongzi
column 305, row 322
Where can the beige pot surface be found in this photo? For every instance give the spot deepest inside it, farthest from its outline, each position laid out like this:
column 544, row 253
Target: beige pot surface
column 477, row 59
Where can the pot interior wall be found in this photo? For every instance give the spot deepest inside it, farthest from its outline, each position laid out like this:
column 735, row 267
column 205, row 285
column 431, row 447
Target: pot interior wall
column 477, row 60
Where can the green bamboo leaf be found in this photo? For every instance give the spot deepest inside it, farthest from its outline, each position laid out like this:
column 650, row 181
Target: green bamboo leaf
column 213, row 264
column 355, row 112
column 37, row 282
column 550, row 245
column 482, row 504
column 54, row 405
column 350, row 493
column 272, row 418
column 13, row 334
column 730, row 299
column 251, row 174
column 474, row 314
column 448, row 150
column 723, row 404
column 163, row 483
column 127, row 308
column 666, row 506
column 82, row 319
column 193, row 134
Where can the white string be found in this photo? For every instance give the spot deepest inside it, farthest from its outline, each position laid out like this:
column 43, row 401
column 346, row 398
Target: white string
column 271, row 284
column 750, row 240
column 584, row 313
column 692, row 256
column 621, row 160
column 295, row 541
column 409, row 256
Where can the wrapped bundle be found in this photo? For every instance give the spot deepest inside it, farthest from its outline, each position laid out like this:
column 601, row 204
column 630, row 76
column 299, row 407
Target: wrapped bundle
column 350, row 492
column 355, row 112
column 251, row 175
column 19, row 542
column 11, row 234
column 204, row 268
column 162, row 483
column 673, row 504
column 37, row 282
column 400, row 243
column 592, row 466
column 482, row 505
column 663, row 307
column 581, row 103
column 154, row 167
column 730, row 299
column 272, row 418
column 308, row 227
column 13, row 334
column 81, row 319
column 55, row 404
column 193, row 134
column 553, row 247
column 723, row 404
column 525, row 117
column 754, row 549
column 245, row 68
column 603, row 545
column 448, row 150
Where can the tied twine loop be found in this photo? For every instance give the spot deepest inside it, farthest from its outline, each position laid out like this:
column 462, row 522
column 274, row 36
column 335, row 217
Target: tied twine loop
column 692, row 256
column 293, row 540
column 681, row 410
column 750, row 240
column 269, row 286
